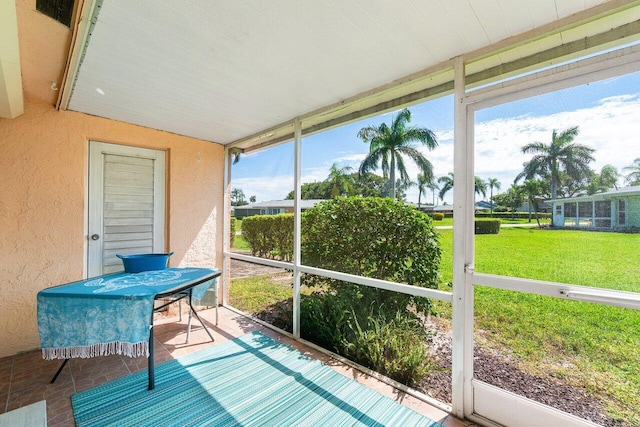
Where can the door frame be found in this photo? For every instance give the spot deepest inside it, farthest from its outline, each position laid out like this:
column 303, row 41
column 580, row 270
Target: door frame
column 483, row 402
column 95, row 197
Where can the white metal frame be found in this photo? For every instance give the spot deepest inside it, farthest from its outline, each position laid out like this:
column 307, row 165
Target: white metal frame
column 473, row 399
column 490, row 403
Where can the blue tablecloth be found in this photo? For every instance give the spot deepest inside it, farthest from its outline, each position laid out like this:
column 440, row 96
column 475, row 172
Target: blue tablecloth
column 109, row 314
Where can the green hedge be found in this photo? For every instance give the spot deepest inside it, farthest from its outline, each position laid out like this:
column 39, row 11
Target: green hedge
column 487, row 226
column 232, row 232
column 378, row 238
column 437, row 216
column 510, row 215
column 269, row 236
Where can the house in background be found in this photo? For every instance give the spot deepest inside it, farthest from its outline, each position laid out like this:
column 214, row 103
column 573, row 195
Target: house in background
column 272, row 207
column 611, row 210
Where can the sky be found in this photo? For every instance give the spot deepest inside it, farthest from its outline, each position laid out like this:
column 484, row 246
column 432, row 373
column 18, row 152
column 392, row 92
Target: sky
column 606, row 112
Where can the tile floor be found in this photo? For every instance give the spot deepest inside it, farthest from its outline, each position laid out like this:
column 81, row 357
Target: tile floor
column 24, row 378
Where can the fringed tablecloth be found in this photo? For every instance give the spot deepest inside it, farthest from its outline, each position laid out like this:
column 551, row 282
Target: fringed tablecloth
column 109, row 314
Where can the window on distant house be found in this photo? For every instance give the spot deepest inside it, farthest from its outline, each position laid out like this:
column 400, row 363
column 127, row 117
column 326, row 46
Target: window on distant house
column 622, row 212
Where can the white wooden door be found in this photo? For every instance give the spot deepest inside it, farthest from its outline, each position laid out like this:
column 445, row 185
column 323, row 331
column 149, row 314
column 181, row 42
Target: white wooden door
column 126, row 204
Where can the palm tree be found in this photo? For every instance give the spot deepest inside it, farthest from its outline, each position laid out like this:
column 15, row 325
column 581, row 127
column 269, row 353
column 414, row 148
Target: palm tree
column 433, row 186
column 609, row 176
column 492, row 183
column 237, row 197
column 561, row 155
column 447, row 184
column 633, row 177
column 532, row 188
column 388, row 145
column 424, row 182
column 603, row 181
column 341, row 180
column 479, row 186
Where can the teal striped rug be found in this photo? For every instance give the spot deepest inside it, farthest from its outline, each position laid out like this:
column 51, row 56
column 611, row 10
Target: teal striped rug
column 249, row 381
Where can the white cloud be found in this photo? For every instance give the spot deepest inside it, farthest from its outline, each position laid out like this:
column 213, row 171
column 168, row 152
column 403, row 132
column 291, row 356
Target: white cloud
column 265, row 189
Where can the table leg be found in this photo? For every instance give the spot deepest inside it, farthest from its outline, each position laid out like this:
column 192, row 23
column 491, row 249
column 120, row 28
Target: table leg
column 189, row 321
column 195, row 313
column 55, row 377
column 151, row 359
column 215, row 296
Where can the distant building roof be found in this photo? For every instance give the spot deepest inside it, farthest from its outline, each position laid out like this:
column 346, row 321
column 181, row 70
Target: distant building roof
column 278, row 204
column 623, row 191
column 443, row 208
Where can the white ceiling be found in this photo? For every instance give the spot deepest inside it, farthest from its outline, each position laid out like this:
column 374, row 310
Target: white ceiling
column 223, row 70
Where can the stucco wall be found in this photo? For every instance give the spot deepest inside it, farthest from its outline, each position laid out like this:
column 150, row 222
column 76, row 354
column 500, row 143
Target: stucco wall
column 43, row 191
column 43, row 170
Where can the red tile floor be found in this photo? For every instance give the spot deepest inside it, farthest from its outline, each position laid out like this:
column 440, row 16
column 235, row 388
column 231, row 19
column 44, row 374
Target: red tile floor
column 24, row 378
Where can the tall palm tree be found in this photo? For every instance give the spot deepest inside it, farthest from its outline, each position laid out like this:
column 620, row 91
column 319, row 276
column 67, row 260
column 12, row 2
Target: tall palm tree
column 492, row 183
column 633, row 177
column 561, row 155
column 341, row 180
column 389, row 144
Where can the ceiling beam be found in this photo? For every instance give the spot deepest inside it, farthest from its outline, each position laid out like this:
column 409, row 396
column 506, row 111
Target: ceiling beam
column 629, row 32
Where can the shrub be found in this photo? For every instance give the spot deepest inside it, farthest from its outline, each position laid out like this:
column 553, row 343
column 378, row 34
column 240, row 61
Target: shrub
column 487, row 226
column 634, row 229
column 232, row 232
column 511, row 215
column 391, row 344
column 269, row 236
column 438, row 216
column 372, row 237
column 378, row 238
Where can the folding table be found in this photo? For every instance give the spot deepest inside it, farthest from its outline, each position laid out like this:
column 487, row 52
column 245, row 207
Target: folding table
column 113, row 313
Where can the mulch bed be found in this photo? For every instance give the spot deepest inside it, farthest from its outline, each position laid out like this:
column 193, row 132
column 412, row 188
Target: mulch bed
column 499, row 370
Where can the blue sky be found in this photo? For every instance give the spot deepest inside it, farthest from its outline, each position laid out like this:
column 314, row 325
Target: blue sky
column 607, row 113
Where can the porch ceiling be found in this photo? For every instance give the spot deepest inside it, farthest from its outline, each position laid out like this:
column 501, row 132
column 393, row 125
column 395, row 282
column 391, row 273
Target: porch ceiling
column 240, row 71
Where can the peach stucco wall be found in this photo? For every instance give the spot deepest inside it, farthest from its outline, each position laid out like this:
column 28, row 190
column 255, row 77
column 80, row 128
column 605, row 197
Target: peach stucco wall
column 43, row 191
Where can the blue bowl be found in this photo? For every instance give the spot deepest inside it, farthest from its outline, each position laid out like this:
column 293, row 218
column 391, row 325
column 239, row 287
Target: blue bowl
column 144, row 262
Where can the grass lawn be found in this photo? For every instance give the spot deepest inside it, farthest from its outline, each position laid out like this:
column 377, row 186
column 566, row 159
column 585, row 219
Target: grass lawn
column 254, row 294
column 588, row 345
column 239, row 243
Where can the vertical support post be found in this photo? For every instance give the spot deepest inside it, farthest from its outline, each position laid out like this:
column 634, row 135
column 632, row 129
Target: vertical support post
column 463, row 234
column 297, row 171
column 226, row 230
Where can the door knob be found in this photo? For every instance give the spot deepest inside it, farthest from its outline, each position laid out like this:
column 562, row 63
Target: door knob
column 95, row 237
